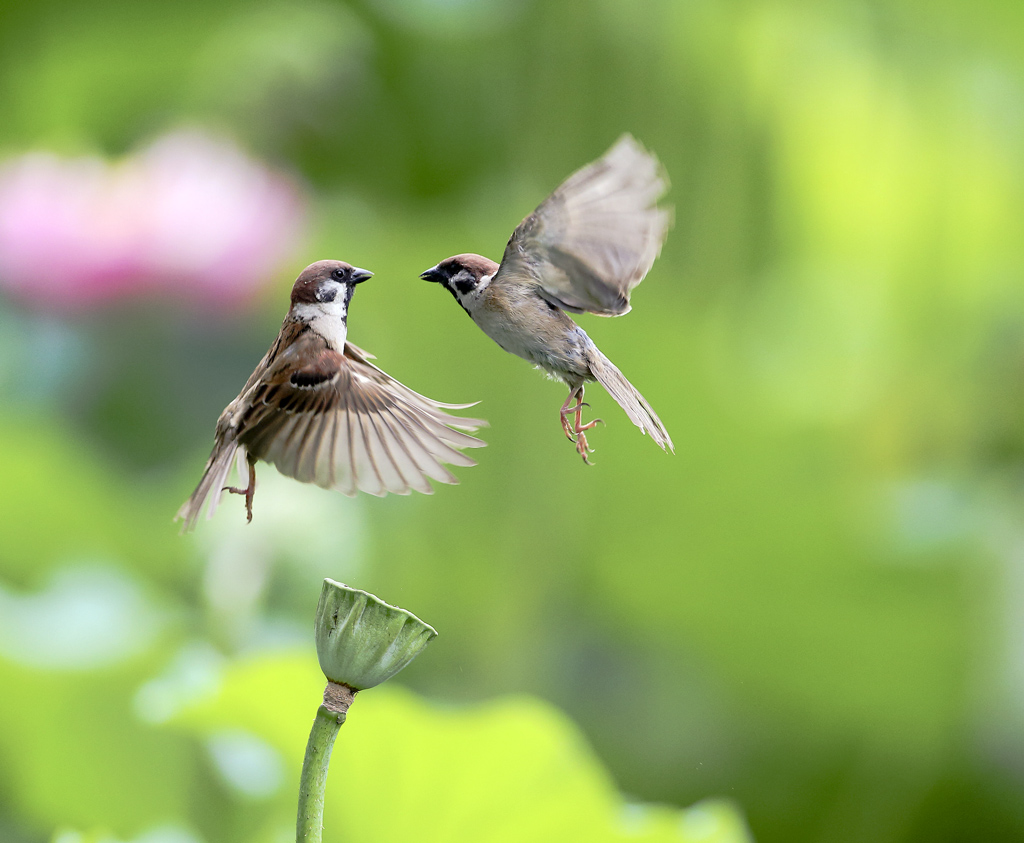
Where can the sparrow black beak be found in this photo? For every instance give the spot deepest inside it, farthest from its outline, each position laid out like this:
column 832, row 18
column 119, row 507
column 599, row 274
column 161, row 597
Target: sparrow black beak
column 357, row 275
column 432, row 274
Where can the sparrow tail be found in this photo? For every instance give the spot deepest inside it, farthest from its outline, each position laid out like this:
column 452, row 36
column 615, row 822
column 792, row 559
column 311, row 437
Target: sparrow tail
column 212, row 483
column 625, row 394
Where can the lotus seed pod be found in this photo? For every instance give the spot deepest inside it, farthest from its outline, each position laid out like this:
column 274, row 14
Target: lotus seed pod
column 362, row 641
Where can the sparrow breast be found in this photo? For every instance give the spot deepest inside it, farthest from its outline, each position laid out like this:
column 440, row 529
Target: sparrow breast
column 524, row 324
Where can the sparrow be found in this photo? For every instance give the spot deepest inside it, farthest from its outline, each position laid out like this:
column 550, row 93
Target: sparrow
column 319, row 411
column 583, row 249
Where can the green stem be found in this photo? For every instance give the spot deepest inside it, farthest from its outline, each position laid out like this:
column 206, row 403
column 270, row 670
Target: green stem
column 329, row 717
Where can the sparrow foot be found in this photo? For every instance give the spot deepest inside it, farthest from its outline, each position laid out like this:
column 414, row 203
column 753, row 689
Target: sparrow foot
column 566, row 426
column 575, row 432
column 249, row 491
column 582, row 448
column 567, row 411
column 581, row 437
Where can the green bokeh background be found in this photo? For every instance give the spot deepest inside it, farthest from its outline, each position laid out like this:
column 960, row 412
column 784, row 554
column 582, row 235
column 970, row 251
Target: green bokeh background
column 808, row 617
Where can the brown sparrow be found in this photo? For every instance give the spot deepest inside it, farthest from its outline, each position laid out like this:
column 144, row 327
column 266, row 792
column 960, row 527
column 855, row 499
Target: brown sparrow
column 583, row 249
column 322, row 413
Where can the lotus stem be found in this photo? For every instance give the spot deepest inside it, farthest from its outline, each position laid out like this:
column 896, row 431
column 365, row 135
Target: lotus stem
column 329, row 717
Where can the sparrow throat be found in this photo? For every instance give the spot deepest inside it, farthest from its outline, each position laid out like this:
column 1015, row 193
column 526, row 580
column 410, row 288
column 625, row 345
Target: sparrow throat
column 327, row 318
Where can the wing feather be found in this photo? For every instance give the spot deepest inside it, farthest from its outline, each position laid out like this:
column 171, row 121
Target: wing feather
column 323, row 457
column 305, row 469
column 341, row 457
column 387, row 466
column 368, row 477
column 396, row 440
column 435, row 449
column 285, row 452
column 341, row 422
column 595, row 238
column 427, row 465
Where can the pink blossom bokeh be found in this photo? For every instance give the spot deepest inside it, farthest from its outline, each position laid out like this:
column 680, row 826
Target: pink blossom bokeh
column 191, row 216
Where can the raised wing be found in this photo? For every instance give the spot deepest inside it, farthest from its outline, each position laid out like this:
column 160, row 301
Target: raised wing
column 342, row 423
column 595, row 238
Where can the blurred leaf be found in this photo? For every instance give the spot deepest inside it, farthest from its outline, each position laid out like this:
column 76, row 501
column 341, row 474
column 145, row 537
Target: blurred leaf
column 403, row 768
column 158, row 834
column 73, row 753
column 60, row 502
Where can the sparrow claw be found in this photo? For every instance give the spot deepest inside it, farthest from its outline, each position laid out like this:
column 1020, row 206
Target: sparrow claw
column 582, row 448
column 249, row 491
column 575, row 432
column 567, row 411
column 567, row 428
column 248, row 500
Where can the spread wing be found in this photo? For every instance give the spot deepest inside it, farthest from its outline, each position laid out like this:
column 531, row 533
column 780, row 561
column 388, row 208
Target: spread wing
column 337, row 420
column 595, row 238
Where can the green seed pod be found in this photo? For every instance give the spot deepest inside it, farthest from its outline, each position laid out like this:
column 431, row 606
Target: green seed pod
column 362, row 641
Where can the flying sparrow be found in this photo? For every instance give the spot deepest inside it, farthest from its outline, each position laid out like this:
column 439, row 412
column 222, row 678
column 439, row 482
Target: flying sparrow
column 583, row 249
column 322, row 413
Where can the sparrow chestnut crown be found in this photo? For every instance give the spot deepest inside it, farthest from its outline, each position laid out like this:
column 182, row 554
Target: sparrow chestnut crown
column 319, row 281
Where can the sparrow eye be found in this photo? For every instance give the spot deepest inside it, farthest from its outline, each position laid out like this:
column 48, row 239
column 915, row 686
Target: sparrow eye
column 339, row 274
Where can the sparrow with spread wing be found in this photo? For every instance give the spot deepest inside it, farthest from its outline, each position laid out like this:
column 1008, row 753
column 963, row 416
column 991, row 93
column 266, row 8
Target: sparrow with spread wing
column 584, row 248
column 321, row 412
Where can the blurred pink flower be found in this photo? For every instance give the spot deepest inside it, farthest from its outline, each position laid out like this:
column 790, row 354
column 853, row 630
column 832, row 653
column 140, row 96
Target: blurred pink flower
column 191, row 215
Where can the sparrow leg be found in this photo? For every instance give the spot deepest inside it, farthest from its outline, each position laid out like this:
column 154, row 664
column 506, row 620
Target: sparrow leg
column 578, row 429
column 248, row 491
column 566, row 411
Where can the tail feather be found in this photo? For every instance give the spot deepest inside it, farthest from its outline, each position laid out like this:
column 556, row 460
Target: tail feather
column 625, row 394
column 210, row 485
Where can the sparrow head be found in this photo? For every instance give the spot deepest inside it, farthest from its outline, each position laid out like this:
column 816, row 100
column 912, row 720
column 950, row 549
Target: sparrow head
column 327, row 283
column 464, row 276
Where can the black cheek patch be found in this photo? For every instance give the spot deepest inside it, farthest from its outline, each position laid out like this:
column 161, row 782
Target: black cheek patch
column 326, row 294
column 466, row 285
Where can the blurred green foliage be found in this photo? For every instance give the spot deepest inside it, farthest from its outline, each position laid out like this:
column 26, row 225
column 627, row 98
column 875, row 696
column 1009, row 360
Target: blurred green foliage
column 812, row 609
column 510, row 770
